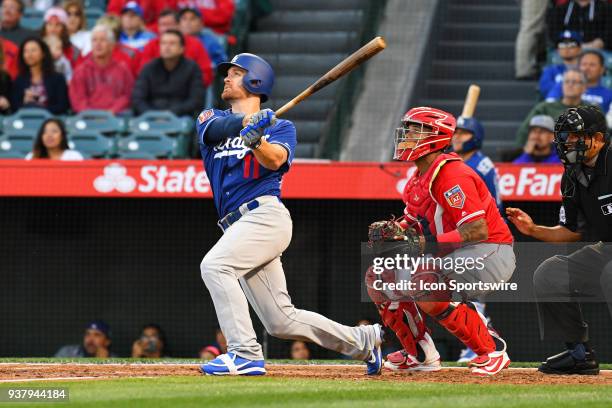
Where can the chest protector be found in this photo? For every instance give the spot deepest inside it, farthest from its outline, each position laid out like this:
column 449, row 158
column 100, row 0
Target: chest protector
column 417, row 193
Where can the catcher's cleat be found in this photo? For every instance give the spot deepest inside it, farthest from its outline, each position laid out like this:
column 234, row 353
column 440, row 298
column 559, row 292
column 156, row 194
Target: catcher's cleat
column 403, row 361
column 491, row 363
column 374, row 362
column 575, row 361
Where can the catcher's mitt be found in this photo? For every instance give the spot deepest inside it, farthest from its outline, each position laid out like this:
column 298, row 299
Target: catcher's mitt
column 388, row 237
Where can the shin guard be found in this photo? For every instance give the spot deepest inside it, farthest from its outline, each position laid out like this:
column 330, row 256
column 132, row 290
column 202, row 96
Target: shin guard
column 465, row 323
column 406, row 321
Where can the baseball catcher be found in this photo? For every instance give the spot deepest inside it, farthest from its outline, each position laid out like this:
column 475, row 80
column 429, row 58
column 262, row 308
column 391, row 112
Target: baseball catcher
column 449, row 213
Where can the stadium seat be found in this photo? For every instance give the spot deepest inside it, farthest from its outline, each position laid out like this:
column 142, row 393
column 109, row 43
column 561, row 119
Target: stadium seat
column 155, row 122
column 149, row 145
column 95, row 4
column 26, row 121
column 91, row 143
column 95, row 120
column 17, row 144
column 32, row 23
column 92, row 15
column 160, row 122
column 11, row 154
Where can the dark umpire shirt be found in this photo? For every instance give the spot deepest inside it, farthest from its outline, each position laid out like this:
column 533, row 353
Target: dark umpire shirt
column 587, row 199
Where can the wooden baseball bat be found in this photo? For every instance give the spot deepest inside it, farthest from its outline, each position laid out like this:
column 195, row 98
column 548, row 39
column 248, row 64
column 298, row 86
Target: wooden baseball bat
column 344, row 67
column 471, row 99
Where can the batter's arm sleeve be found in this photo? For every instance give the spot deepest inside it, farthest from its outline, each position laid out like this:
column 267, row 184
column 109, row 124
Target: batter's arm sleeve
column 216, row 128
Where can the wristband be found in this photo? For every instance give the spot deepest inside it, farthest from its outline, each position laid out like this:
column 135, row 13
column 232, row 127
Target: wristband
column 449, row 237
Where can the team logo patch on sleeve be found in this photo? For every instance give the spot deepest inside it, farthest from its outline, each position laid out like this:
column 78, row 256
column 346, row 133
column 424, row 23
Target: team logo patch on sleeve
column 455, row 197
column 205, row 115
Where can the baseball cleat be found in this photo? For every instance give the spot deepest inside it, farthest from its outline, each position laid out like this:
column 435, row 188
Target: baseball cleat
column 232, row 364
column 467, row 355
column 494, row 362
column 403, row 361
column 575, row 361
column 374, row 363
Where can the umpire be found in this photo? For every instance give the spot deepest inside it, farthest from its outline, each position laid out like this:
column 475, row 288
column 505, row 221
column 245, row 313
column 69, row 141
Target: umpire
column 586, row 215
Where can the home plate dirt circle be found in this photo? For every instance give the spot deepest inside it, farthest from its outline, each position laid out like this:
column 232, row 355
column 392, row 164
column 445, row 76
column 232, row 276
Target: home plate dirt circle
column 12, row 372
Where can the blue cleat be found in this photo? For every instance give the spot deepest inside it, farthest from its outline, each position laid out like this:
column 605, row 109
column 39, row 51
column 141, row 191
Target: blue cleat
column 467, row 355
column 232, row 364
column 374, row 363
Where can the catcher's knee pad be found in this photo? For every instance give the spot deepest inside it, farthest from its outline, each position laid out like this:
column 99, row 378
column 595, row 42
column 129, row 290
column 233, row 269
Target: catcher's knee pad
column 465, row 323
column 406, row 321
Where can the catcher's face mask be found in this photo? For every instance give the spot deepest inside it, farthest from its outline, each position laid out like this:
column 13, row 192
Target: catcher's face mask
column 409, row 140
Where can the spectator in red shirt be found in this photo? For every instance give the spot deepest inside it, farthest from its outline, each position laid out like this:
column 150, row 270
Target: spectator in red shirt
column 124, row 53
column 56, row 19
column 99, row 82
column 152, row 9
column 11, row 51
column 217, row 14
column 168, row 20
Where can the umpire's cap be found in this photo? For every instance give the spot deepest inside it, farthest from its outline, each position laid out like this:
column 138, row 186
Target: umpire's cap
column 259, row 78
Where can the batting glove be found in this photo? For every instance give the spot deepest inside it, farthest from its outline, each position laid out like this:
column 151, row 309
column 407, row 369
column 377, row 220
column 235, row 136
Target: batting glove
column 251, row 136
column 263, row 119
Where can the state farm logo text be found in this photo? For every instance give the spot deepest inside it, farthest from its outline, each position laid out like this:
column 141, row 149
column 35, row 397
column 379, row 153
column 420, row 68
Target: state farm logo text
column 152, row 179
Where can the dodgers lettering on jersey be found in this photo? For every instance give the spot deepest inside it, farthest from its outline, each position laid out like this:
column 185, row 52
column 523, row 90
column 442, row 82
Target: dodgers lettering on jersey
column 485, row 168
column 235, row 175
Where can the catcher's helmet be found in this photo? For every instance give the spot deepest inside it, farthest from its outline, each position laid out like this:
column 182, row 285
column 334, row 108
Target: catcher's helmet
column 435, row 133
column 259, row 78
column 473, row 126
column 581, row 121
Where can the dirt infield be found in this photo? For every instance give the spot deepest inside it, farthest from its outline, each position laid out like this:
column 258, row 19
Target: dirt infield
column 527, row 376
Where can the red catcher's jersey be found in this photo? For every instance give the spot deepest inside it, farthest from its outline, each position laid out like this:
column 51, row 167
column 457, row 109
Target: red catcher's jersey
column 450, row 194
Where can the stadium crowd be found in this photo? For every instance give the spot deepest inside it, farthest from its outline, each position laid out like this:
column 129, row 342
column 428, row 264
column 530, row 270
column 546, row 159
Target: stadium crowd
column 575, row 38
column 65, row 58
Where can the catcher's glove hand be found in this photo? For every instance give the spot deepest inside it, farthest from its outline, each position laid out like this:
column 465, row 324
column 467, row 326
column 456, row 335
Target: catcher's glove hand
column 388, row 237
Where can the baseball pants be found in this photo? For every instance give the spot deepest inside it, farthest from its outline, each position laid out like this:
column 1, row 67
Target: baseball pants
column 530, row 36
column 245, row 264
column 499, row 264
column 561, row 281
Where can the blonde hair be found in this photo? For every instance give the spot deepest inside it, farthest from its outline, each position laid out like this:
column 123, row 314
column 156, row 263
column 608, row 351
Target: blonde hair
column 111, row 22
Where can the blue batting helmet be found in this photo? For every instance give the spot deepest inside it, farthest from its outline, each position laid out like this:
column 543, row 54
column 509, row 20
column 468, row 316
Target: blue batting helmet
column 259, row 78
column 475, row 128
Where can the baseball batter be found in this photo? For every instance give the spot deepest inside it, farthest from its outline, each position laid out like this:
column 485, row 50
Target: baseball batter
column 246, row 151
column 451, row 213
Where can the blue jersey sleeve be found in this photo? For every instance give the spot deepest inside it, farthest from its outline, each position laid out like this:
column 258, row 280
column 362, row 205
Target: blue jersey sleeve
column 555, row 94
column 284, row 134
column 205, row 118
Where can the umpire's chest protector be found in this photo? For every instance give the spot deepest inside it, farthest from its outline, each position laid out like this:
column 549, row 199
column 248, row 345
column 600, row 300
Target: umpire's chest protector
column 595, row 200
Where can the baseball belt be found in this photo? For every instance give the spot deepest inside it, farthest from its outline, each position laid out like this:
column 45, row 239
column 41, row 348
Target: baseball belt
column 227, row 221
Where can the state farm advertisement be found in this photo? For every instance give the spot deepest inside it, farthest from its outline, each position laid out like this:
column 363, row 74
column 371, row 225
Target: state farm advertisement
column 187, row 179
